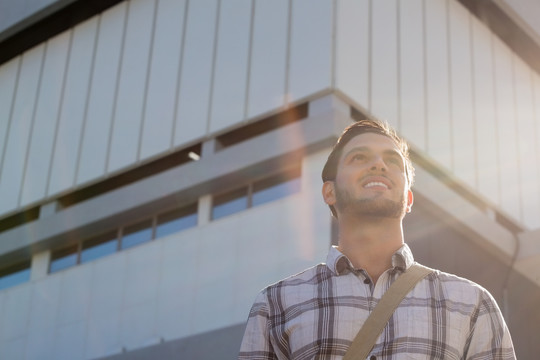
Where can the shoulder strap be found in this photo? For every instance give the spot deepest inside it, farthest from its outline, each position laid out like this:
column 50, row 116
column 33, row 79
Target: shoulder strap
column 375, row 323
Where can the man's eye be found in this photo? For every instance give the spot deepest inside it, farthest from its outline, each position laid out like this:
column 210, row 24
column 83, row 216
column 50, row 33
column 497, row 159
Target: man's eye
column 395, row 161
column 359, row 157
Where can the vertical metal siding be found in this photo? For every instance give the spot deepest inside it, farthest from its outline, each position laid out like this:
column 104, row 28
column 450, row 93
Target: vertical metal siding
column 437, row 82
column 228, row 94
column 102, row 95
column 73, row 108
column 529, row 175
column 132, row 85
column 162, row 93
column 266, row 88
column 47, row 112
column 487, row 151
column 310, row 48
column 384, row 60
column 352, row 45
column 506, row 122
column 20, row 127
column 411, row 73
column 196, row 71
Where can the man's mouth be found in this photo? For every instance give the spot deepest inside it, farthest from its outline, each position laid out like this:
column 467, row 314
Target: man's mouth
column 375, row 184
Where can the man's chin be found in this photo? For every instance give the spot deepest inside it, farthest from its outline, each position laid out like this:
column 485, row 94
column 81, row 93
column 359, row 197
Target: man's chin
column 376, row 208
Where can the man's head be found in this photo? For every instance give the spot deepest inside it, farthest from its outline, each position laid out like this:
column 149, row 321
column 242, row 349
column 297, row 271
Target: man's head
column 384, row 135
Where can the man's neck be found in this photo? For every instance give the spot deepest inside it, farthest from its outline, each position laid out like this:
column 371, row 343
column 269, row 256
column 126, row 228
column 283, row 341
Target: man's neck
column 370, row 244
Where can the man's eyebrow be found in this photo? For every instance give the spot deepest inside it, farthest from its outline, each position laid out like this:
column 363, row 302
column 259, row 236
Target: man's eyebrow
column 393, row 152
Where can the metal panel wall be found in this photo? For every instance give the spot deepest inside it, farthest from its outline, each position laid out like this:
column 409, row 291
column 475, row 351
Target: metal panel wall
column 454, row 90
column 228, row 97
column 196, row 71
column 439, row 142
column 267, row 73
column 412, row 122
column 73, row 109
column 146, row 77
column 19, row 128
column 163, row 78
column 484, row 112
column 47, row 112
column 132, row 84
column 102, row 95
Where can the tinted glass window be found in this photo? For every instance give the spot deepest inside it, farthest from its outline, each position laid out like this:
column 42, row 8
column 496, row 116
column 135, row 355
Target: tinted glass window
column 229, row 203
column 15, row 276
column 276, row 187
column 137, row 234
column 98, row 247
column 176, row 220
column 63, row 259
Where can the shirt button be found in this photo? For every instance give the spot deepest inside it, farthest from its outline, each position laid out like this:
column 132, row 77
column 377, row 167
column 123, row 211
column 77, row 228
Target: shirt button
column 373, row 357
column 367, row 281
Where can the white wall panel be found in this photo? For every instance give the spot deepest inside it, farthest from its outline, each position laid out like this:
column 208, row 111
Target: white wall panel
column 43, row 311
column 536, row 110
column 196, row 72
column 70, row 341
column 47, row 110
column 8, row 80
column 268, row 56
column 74, row 295
column 310, row 60
column 18, row 136
column 73, row 110
column 463, row 126
column 506, row 129
column 384, row 61
column 231, row 67
column 16, row 312
column 352, row 49
column 529, row 178
column 484, row 112
column 437, row 82
column 97, row 127
column 163, row 81
column 132, row 85
column 412, row 122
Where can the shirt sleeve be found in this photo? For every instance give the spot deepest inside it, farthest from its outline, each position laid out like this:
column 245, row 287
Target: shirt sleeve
column 256, row 344
column 489, row 337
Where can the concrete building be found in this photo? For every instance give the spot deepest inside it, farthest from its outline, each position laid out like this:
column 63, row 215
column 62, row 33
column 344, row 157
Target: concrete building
column 160, row 159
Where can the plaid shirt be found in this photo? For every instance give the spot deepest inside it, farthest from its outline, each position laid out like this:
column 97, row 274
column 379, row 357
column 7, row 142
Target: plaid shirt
column 316, row 314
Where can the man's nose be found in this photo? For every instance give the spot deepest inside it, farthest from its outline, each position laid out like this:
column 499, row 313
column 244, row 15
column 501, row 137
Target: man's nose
column 378, row 164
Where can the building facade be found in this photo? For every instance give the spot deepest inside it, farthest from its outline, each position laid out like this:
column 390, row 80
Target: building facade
column 160, row 159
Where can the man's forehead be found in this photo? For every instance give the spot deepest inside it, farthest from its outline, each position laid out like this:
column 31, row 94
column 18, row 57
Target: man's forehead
column 373, row 141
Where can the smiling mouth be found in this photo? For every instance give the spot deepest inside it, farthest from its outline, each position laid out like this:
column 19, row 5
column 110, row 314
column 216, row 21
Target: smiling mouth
column 375, row 184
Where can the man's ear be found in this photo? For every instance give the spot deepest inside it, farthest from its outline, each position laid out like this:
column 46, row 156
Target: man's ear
column 329, row 193
column 410, row 200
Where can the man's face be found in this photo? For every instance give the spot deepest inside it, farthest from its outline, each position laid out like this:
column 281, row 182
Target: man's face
column 371, row 179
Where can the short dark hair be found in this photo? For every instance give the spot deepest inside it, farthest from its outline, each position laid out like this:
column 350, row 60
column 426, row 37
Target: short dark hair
column 329, row 171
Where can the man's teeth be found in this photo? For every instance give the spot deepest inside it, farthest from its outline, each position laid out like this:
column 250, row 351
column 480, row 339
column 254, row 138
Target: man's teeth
column 375, row 183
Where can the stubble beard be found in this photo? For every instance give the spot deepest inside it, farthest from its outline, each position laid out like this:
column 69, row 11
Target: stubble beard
column 370, row 207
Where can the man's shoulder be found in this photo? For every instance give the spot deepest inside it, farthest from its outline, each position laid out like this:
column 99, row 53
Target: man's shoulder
column 454, row 285
column 304, row 279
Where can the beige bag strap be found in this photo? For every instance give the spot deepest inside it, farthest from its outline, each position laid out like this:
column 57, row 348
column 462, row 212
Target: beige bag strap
column 375, row 323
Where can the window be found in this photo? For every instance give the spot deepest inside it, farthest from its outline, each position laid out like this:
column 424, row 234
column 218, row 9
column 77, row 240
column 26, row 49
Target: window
column 136, row 234
column 64, row 259
column 276, row 187
column 230, row 203
column 15, row 275
column 176, row 220
column 99, row 246
column 132, row 235
column 257, row 193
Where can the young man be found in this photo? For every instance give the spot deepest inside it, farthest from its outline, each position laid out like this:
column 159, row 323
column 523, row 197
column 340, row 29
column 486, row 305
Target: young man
column 316, row 314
